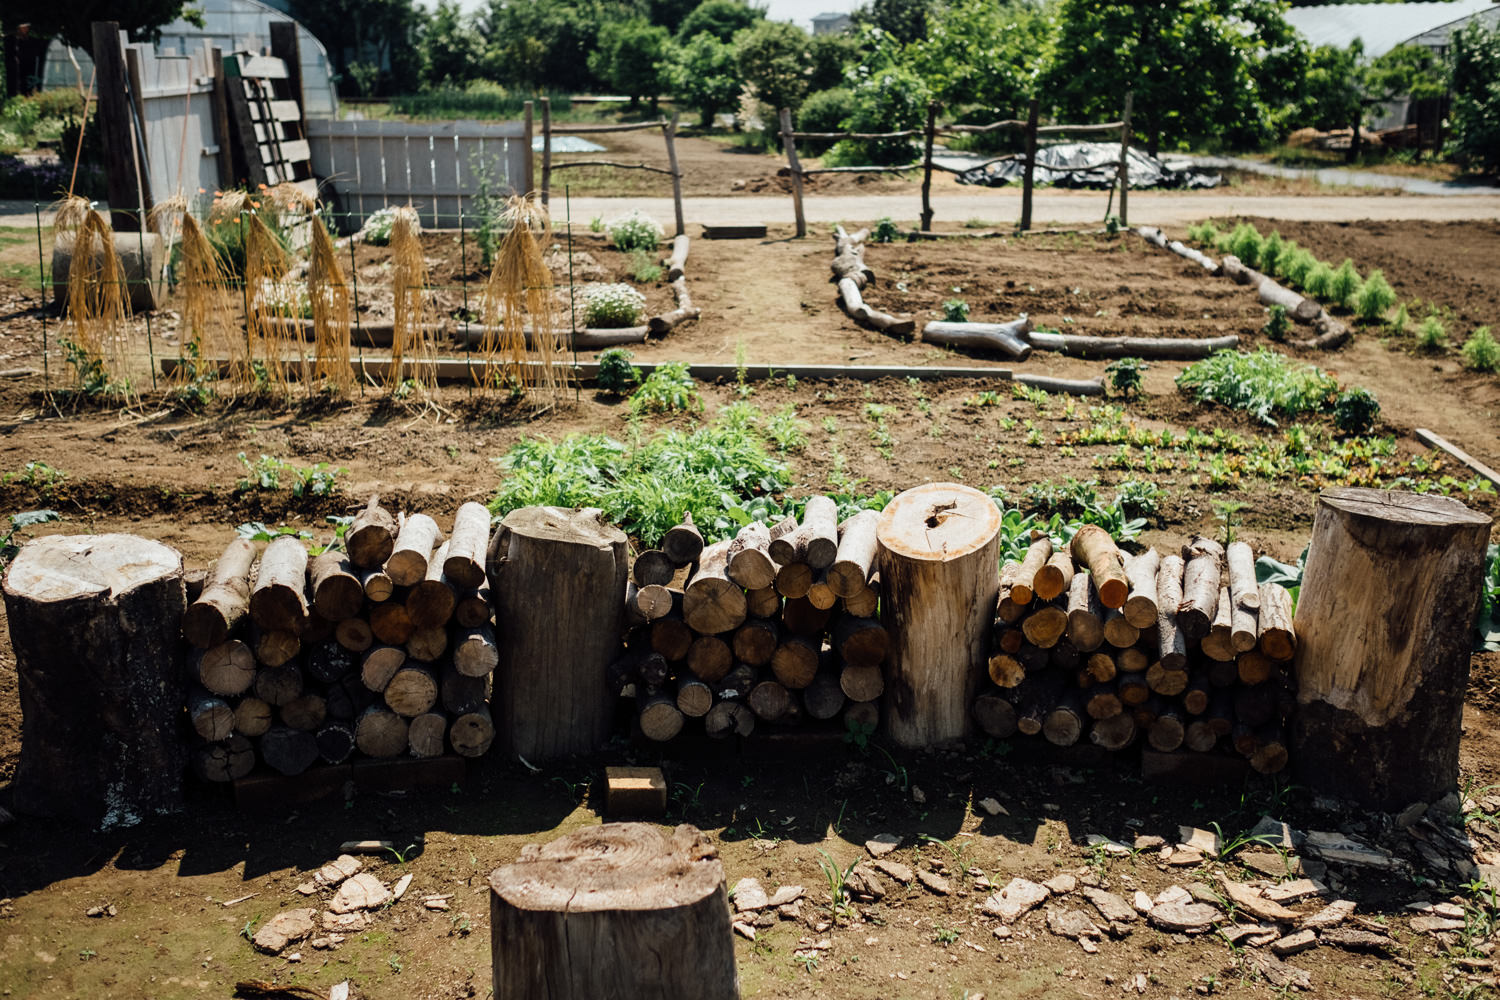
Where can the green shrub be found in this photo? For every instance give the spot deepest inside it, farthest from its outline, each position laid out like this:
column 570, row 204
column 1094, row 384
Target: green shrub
column 1277, row 324
column 1246, row 243
column 1480, row 353
column 1262, row 384
column 1355, row 411
column 636, row 231
column 616, row 373
column 616, row 305
column 1432, row 335
column 667, row 389
column 1315, row 283
column 1344, row 285
column 956, row 311
column 1399, row 321
column 1375, row 298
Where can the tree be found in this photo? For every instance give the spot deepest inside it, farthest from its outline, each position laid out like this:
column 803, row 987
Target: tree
column 73, row 20
column 720, row 18
column 451, row 48
column 704, row 74
column 1475, row 61
column 772, row 55
column 630, row 56
column 903, row 20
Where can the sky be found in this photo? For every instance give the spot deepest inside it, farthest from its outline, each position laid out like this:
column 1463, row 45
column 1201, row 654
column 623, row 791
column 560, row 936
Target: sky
column 799, row 11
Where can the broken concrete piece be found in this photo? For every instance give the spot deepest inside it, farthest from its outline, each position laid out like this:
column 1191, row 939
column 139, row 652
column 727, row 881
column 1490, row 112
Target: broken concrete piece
column 1018, row 897
column 1331, row 915
column 934, row 883
column 895, row 869
column 1185, row 918
column 360, row 892
column 749, row 895
column 1111, row 907
column 1253, row 903
column 1292, row 944
column 882, row 844
column 786, row 894
column 1205, row 841
column 1072, row 924
column 284, row 928
column 1061, row 885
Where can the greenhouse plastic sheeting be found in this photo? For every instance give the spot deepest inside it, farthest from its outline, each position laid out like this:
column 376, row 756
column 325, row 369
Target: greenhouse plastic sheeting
column 1145, row 171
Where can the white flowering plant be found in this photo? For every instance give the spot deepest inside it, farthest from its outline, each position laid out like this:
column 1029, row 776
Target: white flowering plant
column 635, row 231
column 616, row 305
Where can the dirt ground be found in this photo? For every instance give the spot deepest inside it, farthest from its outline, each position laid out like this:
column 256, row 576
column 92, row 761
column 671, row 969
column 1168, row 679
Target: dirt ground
column 171, row 474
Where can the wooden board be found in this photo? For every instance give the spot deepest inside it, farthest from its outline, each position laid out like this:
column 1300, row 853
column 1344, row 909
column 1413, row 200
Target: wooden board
column 751, row 232
column 635, row 791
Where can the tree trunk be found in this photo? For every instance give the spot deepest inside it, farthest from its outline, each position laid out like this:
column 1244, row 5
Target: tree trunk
column 1382, row 669
column 225, row 599
column 468, row 546
column 550, row 693
column 939, row 570
column 576, row 917
column 371, row 536
column 279, row 599
column 1007, row 338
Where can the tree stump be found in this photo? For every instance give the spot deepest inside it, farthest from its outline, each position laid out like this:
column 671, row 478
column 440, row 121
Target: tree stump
column 613, row 911
column 1382, row 670
column 557, row 576
column 94, row 623
column 940, row 580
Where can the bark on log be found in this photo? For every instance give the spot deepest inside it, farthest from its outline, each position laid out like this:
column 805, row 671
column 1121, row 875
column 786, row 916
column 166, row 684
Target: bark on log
column 418, row 537
column 227, row 760
column 711, row 602
column 379, row 732
column 855, row 559
column 1155, row 348
column 574, row 918
column 290, row 751
column 468, row 545
column 995, row 714
column 550, row 694
column 683, row 543
column 252, row 717
column 1092, row 547
column 1023, row 589
column 1171, row 643
column 1277, row 639
column 748, row 563
column 652, row 566
column 1382, row 670
column 1140, row 574
column 336, row 591
column 371, row 536
column 938, row 565
column 226, row 669
column 476, row 653
column 279, row 598
column 1200, row 587
column 1007, row 338
column 225, row 599
column 472, row 733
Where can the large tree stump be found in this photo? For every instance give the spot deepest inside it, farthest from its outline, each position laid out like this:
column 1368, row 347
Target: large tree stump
column 940, row 580
column 557, row 575
column 94, row 623
column 613, row 911
column 1383, row 632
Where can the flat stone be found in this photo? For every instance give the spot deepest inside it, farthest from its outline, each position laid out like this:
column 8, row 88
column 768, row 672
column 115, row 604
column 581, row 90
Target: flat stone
column 1276, row 834
column 1072, row 924
column 284, row 928
column 895, row 869
column 361, row 892
column 1019, row 896
column 1114, row 847
column 993, row 807
column 350, row 923
column 1247, row 899
column 1351, row 939
column 1173, row 894
column 1141, row 902
column 1204, row 841
column 934, row 883
column 1270, row 863
column 1331, row 915
column 1185, row 918
column 1061, row 885
column 1339, row 849
column 1290, row 892
column 882, row 844
column 1149, row 842
column 749, row 895
column 786, row 894
column 1111, row 907
column 1431, row 925
column 1292, row 944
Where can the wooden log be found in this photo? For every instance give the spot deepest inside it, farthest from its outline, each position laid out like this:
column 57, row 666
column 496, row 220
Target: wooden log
column 1382, row 635
column 335, row 741
column 683, row 543
column 671, row 637
column 572, row 918
column 408, row 563
column 305, row 712
column 225, row 599
column 1140, row 607
column 377, row 585
column 1092, row 547
column 473, row 608
column 475, row 651
column 1200, row 587
column 337, row 592
column 769, row 700
column 818, row 541
column 1166, row 681
column 748, row 563
column 755, row 641
column 226, row 669
column 391, row 623
column 710, row 657
column 1118, row 630
column 279, row 598
column 823, row 699
column 327, row 662
column 379, row 732
column 1277, row 639
column 1171, row 642
column 802, row 617
column 995, row 714
column 861, row 641
column 1168, row 731
column 862, row 684
column 371, row 536
column 551, row 697
column 290, row 751
column 212, row 717
column 354, row 634
column 274, row 648
column 459, row 693
column 712, row 603
column 694, row 698
column 938, row 564
column 1045, row 625
column 865, row 604
column 379, row 665
column 468, row 546
column 227, row 760
column 1007, row 338
column 278, row 685
column 1152, row 348
column 472, row 733
column 252, row 716
column 1063, row 724
column 1218, row 643
column 425, row 735
column 855, row 558
column 652, row 566
column 1114, row 733
column 794, row 663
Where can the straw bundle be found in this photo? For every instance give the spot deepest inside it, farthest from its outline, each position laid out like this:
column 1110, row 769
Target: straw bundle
column 520, row 290
column 412, row 337
column 329, row 291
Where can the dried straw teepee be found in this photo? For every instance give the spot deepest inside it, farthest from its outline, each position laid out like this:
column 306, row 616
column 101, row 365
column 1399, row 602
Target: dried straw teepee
column 519, row 293
column 96, row 297
column 329, row 291
column 411, row 337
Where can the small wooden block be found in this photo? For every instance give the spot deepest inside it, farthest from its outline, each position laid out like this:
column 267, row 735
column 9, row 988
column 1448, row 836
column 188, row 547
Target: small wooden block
column 751, row 232
column 1193, row 768
column 635, row 791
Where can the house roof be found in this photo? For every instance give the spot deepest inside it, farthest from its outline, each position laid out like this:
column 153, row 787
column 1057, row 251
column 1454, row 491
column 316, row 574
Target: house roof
column 1381, row 27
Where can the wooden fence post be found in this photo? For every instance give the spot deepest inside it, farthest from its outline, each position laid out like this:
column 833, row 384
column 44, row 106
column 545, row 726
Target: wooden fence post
column 670, row 132
column 931, row 134
column 1029, row 170
column 527, row 182
column 114, row 125
column 1125, row 159
column 546, row 149
column 790, row 145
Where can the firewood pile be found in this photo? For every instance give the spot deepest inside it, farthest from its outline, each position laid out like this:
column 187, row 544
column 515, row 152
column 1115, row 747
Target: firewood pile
column 380, row 651
column 776, row 625
column 1174, row 651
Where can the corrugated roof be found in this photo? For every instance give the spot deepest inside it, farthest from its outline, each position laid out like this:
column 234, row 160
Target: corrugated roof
column 1381, row 26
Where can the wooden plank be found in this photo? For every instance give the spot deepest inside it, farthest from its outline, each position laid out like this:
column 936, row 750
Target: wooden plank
column 635, row 791
column 1432, row 440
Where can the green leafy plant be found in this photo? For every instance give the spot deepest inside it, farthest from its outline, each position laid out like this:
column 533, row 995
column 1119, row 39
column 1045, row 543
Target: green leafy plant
column 1375, row 298
column 1277, row 325
column 635, row 231
column 666, row 390
column 885, row 231
column 1344, row 285
column 1125, row 375
column 1263, row 384
column 1355, row 411
column 644, row 267
column 1432, row 335
column 611, row 306
column 616, row 373
column 955, row 311
column 1480, row 353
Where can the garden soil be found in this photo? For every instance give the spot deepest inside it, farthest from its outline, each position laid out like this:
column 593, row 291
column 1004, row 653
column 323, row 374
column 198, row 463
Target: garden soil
column 161, row 889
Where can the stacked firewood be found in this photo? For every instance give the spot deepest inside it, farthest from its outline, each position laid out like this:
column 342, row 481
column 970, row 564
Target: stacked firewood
column 774, row 625
column 382, row 650
column 1177, row 651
